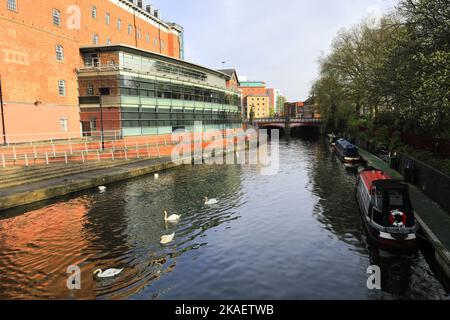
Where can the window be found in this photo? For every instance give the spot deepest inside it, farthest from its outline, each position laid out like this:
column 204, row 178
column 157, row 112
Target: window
column 95, row 38
column 56, row 17
column 129, row 29
column 90, row 89
column 138, row 33
column 155, row 41
column 11, row 5
column 147, row 38
column 64, row 124
column 107, row 18
column 163, row 45
column 119, row 24
column 94, row 12
column 59, row 52
column 62, row 88
column 108, row 41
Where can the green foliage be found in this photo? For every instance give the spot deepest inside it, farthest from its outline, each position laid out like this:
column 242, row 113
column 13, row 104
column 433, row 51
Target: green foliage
column 395, row 77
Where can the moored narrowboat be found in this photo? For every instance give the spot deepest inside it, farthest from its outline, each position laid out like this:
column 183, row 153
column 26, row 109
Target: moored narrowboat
column 347, row 152
column 386, row 209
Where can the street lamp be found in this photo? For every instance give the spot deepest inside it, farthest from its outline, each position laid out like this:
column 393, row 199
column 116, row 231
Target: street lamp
column 102, row 134
column 3, row 114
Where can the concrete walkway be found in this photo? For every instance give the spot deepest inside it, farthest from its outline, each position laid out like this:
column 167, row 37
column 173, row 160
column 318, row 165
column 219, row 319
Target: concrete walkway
column 59, row 186
column 434, row 220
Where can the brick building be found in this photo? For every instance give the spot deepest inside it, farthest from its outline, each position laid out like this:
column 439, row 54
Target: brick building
column 260, row 104
column 40, row 56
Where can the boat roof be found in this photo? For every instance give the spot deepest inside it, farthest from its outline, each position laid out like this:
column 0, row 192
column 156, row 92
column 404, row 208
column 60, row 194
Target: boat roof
column 370, row 176
column 345, row 144
column 390, row 184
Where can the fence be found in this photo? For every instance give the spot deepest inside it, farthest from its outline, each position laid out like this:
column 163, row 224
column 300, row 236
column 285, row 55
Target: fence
column 432, row 182
column 85, row 150
column 440, row 147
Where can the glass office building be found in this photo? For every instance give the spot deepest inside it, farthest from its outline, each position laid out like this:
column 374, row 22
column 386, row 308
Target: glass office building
column 135, row 92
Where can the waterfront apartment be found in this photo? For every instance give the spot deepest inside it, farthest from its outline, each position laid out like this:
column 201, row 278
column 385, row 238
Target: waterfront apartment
column 138, row 92
column 251, row 88
column 45, row 47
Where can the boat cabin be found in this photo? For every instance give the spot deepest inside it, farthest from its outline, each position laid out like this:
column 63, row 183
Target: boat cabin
column 391, row 204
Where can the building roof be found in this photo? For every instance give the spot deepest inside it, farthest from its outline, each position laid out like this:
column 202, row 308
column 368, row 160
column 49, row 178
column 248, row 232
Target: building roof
column 253, row 84
column 231, row 72
column 150, row 54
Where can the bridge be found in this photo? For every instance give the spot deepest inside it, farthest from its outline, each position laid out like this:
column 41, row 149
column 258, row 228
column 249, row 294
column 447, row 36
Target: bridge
column 288, row 123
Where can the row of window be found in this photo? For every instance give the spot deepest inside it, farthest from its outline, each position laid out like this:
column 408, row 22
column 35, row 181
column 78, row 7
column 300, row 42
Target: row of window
column 129, row 30
column 172, row 123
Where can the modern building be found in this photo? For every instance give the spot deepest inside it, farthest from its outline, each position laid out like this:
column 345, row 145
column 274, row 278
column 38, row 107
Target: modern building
column 55, row 56
column 143, row 92
column 311, row 108
column 255, row 89
column 294, row 109
column 259, row 104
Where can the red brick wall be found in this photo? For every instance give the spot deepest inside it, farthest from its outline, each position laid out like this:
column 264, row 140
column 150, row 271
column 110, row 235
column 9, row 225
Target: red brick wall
column 28, row 66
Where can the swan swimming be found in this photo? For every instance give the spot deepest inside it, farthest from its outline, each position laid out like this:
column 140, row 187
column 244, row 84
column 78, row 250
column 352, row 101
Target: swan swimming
column 102, row 188
column 210, row 201
column 156, row 176
column 167, row 238
column 109, row 273
column 172, row 217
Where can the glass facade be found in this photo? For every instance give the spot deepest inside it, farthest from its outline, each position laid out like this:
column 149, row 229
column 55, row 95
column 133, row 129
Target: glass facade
column 137, row 103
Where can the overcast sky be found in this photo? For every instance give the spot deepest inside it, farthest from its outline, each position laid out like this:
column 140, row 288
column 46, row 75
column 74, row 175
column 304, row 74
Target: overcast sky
column 274, row 41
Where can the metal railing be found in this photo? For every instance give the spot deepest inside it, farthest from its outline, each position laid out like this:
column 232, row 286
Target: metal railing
column 85, row 150
column 284, row 119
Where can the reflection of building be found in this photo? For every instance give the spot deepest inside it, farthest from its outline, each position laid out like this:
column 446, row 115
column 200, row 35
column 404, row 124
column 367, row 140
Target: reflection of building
column 259, row 104
column 148, row 93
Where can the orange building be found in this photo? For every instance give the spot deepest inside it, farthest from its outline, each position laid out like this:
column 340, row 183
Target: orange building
column 251, row 88
column 40, row 53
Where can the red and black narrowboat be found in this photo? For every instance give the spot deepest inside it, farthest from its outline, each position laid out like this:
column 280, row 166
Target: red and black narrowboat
column 386, row 209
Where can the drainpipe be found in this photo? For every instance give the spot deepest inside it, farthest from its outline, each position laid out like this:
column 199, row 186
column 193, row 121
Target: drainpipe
column 2, row 112
column 135, row 28
column 159, row 37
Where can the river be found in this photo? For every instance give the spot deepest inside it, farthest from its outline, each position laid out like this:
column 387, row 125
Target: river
column 294, row 235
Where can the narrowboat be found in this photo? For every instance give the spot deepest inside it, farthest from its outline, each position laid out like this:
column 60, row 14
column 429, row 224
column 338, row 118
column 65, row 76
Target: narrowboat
column 386, row 209
column 347, row 152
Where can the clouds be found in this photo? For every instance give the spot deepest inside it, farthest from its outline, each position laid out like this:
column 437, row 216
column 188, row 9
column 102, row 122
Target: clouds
column 275, row 41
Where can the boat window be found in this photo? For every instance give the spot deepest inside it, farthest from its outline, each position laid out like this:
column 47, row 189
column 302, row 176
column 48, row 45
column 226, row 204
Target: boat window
column 395, row 198
column 379, row 199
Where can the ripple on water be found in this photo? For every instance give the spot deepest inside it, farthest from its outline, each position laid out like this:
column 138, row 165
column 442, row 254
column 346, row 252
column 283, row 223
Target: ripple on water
column 285, row 236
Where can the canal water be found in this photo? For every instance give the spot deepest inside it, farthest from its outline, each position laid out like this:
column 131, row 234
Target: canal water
column 294, row 235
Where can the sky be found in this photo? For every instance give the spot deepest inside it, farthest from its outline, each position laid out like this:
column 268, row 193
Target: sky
column 278, row 42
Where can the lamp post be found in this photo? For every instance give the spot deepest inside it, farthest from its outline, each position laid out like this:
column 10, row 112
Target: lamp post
column 138, row 87
column 102, row 134
column 2, row 112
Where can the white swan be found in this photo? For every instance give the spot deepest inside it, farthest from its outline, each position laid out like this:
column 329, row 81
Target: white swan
column 167, row 238
column 156, row 176
column 109, row 273
column 210, row 201
column 172, row 217
column 102, row 188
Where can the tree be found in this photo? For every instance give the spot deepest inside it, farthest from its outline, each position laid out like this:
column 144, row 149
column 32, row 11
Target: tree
column 401, row 67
